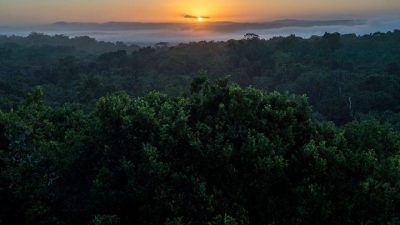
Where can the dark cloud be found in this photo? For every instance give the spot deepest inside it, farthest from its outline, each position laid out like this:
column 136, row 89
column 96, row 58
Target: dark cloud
column 187, row 16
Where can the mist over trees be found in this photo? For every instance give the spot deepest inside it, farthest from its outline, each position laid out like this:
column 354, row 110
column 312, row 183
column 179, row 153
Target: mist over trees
column 302, row 131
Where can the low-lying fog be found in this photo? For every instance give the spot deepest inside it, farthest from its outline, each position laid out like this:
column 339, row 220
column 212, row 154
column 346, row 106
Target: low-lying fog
column 150, row 33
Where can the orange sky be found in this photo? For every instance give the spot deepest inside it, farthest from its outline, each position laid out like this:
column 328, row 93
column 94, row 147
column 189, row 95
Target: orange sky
column 45, row 11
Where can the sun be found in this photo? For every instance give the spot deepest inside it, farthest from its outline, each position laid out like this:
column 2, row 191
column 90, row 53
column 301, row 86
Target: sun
column 199, row 19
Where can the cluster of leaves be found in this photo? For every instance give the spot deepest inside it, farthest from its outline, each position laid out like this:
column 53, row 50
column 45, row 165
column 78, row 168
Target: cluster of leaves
column 220, row 155
column 344, row 76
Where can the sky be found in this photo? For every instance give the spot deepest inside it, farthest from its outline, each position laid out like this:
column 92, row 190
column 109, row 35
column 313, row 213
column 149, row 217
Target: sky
column 28, row 12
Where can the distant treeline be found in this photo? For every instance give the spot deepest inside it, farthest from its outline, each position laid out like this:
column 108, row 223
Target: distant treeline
column 345, row 77
column 63, row 45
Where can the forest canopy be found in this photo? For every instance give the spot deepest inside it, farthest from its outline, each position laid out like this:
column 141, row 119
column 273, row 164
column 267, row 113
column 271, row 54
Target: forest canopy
column 344, row 76
column 220, row 155
column 302, row 131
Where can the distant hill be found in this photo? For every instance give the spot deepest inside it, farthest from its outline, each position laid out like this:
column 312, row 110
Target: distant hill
column 212, row 26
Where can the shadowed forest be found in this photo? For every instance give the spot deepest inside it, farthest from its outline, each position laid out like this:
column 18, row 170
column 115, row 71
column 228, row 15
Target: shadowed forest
column 242, row 132
column 343, row 76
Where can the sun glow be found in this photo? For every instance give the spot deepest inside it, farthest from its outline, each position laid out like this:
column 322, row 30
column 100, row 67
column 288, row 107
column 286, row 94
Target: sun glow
column 200, row 19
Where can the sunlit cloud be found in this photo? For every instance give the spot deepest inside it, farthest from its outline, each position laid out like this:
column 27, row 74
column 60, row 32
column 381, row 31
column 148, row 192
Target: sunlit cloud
column 187, row 16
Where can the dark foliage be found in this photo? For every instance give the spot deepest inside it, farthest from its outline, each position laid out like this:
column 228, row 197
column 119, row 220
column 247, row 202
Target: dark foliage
column 207, row 152
column 222, row 155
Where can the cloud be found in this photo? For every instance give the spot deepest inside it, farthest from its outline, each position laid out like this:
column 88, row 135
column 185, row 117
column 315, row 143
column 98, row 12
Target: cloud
column 187, row 16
